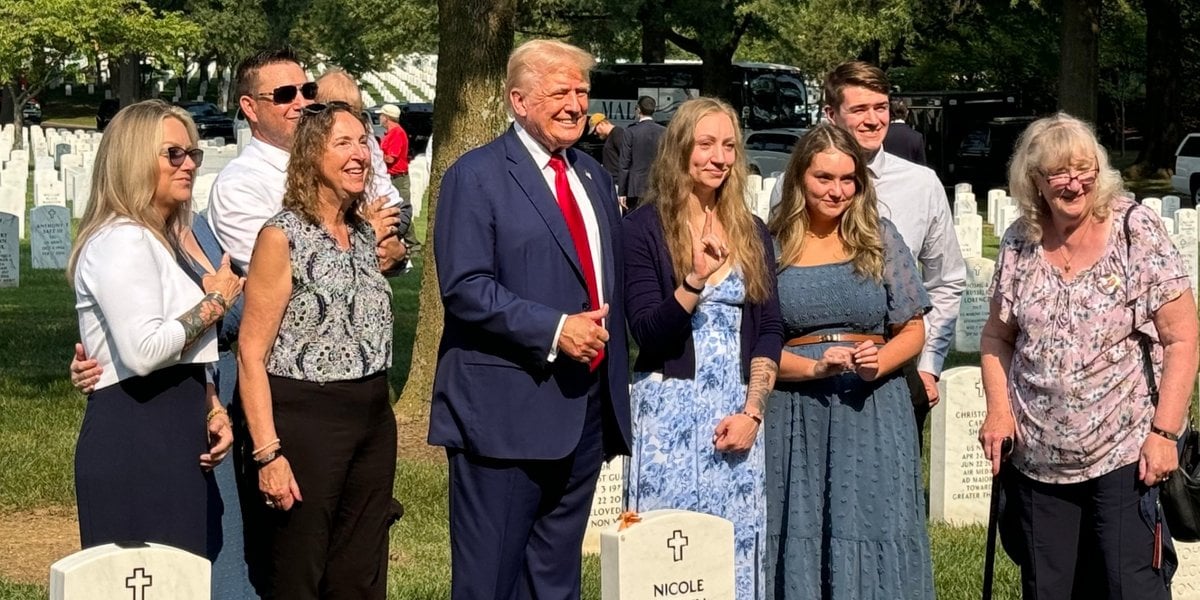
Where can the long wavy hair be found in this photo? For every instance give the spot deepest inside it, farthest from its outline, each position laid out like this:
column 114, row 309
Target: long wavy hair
column 859, row 224
column 1053, row 144
column 125, row 176
column 670, row 186
column 304, row 178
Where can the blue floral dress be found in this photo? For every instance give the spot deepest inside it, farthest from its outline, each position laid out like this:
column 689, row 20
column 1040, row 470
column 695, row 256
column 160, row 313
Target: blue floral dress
column 674, row 464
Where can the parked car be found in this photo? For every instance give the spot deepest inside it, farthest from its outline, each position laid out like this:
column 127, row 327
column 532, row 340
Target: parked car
column 32, row 112
column 1186, row 179
column 983, row 152
column 210, row 121
column 415, row 117
column 106, row 111
column 768, row 150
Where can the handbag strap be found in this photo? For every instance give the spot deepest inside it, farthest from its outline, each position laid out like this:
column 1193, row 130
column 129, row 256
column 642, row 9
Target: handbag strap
column 1143, row 339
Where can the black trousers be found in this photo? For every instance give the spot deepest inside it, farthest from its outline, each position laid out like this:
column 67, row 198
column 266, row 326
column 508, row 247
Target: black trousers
column 516, row 526
column 340, row 439
column 1090, row 540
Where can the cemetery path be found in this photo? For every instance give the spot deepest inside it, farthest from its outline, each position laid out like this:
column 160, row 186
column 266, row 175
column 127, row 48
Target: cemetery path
column 31, row 540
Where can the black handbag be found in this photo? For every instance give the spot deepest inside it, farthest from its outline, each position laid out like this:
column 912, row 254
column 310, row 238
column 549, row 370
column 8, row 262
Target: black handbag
column 1179, row 495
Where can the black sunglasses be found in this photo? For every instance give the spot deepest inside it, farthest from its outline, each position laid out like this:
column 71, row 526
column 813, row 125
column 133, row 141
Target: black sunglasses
column 285, row 94
column 318, row 108
column 175, row 155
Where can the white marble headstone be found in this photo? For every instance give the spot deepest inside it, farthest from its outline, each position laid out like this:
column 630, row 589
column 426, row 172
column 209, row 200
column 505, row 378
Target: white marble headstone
column 969, row 230
column 10, row 251
column 1154, row 204
column 52, row 193
column 201, row 188
column 1186, row 583
column 670, row 554
column 964, row 204
column 960, row 477
column 607, row 503
column 974, row 304
column 1186, row 222
column 50, row 237
column 12, row 201
column 142, row 572
column 961, row 187
column 1170, row 205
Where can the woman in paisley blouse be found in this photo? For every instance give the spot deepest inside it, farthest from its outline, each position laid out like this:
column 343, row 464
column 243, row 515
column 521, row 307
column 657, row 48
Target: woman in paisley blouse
column 314, row 347
column 1080, row 278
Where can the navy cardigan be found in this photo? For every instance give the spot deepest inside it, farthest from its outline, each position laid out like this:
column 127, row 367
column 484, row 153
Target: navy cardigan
column 661, row 327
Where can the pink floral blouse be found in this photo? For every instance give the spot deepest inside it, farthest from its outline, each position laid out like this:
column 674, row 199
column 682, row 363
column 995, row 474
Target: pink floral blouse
column 1078, row 393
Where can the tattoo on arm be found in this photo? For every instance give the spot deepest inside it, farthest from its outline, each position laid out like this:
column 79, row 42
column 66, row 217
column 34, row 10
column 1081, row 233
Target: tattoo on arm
column 762, row 380
column 202, row 316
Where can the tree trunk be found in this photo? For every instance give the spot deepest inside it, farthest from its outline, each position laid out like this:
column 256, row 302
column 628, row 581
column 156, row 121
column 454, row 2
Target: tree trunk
column 18, row 104
column 129, row 79
column 717, row 72
column 654, row 27
column 1164, row 68
column 1079, row 64
column 474, row 40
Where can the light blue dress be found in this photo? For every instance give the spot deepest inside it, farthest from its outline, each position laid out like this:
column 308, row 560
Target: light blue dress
column 674, row 463
column 846, row 507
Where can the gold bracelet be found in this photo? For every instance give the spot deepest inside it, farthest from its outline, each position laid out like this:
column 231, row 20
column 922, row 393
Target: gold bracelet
column 214, row 412
column 265, row 447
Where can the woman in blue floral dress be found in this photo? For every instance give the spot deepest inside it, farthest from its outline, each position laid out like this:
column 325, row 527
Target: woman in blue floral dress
column 845, row 504
column 701, row 304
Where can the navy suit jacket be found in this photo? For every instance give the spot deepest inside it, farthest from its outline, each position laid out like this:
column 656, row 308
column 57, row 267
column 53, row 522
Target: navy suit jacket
column 508, row 271
column 638, row 149
column 905, row 142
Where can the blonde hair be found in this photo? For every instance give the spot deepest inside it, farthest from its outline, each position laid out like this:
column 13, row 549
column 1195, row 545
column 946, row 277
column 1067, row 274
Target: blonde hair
column 336, row 85
column 542, row 57
column 859, row 224
column 670, row 186
column 125, row 176
column 304, row 165
column 1051, row 144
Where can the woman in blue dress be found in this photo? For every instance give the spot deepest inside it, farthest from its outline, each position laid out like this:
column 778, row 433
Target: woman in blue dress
column 845, row 504
column 700, row 297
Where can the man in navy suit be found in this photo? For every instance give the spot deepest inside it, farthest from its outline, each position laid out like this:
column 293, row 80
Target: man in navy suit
column 901, row 139
column 531, row 389
column 638, row 149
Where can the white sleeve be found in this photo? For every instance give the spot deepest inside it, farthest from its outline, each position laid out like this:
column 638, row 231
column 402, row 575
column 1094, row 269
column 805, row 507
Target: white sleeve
column 776, row 196
column 237, row 209
column 944, row 274
column 123, row 273
column 381, row 184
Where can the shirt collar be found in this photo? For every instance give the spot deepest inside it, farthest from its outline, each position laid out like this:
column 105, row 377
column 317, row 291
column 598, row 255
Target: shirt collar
column 276, row 157
column 877, row 164
column 541, row 156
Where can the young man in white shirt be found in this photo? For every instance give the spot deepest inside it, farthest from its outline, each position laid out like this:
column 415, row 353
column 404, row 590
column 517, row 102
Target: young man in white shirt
column 912, row 198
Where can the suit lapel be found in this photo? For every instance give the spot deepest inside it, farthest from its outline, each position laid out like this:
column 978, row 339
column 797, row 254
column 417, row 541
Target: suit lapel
column 523, row 170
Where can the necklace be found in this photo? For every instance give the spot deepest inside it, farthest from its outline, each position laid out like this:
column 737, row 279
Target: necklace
column 819, row 236
column 1062, row 249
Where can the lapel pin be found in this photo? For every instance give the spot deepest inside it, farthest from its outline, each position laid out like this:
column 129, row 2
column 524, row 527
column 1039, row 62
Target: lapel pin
column 587, row 174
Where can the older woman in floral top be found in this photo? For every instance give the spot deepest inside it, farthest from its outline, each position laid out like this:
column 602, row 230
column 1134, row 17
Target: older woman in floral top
column 1064, row 373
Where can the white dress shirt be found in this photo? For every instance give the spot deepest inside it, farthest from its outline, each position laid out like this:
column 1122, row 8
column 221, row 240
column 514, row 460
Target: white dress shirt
column 247, row 192
column 541, row 158
column 129, row 291
column 913, row 199
column 381, row 184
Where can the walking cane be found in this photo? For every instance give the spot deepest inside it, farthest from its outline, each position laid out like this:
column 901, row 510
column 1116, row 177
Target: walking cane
column 989, row 556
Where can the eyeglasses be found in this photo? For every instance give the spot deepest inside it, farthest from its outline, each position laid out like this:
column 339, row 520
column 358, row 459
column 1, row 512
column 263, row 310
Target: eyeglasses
column 285, row 94
column 1062, row 180
column 175, row 155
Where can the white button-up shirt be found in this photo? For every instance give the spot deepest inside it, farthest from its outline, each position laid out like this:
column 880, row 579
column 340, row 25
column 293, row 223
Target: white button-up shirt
column 247, row 192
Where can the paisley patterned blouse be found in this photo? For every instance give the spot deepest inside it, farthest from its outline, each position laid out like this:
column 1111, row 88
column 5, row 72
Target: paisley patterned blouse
column 338, row 322
column 1077, row 388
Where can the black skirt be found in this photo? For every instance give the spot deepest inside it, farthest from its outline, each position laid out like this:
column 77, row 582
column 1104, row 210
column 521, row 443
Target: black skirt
column 137, row 462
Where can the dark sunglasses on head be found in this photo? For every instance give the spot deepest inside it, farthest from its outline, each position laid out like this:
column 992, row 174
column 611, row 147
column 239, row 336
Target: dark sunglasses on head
column 175, row 155
column 285, row 94
column 318, row 108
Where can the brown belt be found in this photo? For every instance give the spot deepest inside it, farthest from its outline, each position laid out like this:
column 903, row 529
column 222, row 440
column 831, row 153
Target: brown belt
column 837, row 337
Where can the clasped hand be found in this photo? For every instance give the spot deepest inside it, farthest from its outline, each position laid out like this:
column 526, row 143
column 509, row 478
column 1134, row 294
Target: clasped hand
column 582, row 336
column 709, row 253
column 862, row 359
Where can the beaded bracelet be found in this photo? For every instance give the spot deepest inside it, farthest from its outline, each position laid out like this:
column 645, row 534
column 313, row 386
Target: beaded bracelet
column 217, row 410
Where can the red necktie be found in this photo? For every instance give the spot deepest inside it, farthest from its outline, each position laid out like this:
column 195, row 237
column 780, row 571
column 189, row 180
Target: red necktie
column 574, row 218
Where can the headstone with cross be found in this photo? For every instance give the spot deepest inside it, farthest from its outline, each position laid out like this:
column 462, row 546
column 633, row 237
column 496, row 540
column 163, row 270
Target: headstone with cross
column 675, row 554
column 960, row 477
column 131, row 572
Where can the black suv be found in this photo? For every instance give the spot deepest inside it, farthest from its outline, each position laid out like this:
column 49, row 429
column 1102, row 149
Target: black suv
column 210, row 121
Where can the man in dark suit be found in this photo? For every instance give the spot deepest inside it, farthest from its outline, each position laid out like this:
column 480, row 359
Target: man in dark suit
column 531, row 389
column 613, row 135
column 638, row 150
column 902, row 140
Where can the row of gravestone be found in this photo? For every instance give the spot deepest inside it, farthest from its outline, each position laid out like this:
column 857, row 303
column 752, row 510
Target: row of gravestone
column 50, row 242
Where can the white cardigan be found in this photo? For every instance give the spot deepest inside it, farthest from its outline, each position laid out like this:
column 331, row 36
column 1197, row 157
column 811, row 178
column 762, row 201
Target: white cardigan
column 129, row 291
